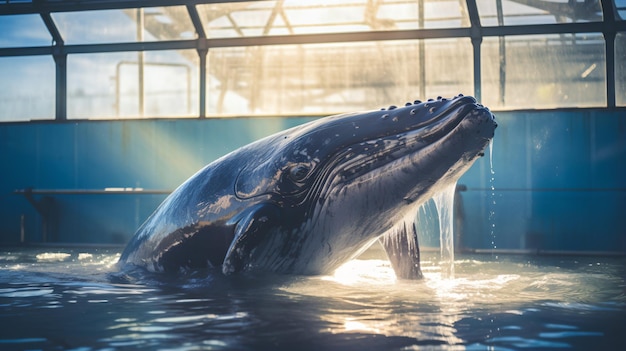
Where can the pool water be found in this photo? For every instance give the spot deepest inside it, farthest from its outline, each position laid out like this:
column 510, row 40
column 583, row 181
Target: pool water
column 77, row 299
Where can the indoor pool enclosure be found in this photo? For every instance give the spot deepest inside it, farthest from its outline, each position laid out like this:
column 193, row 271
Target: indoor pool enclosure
column 107, row 106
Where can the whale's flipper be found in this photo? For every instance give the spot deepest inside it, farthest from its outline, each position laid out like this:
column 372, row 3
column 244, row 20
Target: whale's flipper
column 403, row 251
column 249, row 231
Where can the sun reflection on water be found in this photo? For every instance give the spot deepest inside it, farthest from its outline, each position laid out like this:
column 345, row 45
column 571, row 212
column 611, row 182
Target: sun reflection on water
column 375, row 272
column 387, row 295
column 353, row 325
column 52, row 256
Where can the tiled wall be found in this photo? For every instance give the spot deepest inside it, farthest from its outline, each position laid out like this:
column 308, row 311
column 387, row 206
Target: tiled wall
column 559, row 181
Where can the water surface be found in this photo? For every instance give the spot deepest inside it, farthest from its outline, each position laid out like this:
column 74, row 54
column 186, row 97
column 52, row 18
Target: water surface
column 76, row 299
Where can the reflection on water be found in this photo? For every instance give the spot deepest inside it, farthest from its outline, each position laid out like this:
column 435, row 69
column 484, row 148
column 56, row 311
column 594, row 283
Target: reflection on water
column 70, row 299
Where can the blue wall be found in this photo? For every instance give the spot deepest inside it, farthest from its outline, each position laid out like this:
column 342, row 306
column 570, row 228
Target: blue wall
column 560, row 184
column 560, row 176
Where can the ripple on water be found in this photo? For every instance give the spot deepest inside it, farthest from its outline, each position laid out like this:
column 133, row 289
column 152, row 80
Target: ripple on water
column 505, row 304
column 526, row 343
column 23, row 341
column 52, row 257
column 25, row 292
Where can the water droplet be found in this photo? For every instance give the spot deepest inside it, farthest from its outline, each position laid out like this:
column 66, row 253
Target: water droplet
column 431, row 110
column 395, row 118
column 408, row 104
column 393, row 107
column 385, row 116
column 413, row 112
column 417, row 102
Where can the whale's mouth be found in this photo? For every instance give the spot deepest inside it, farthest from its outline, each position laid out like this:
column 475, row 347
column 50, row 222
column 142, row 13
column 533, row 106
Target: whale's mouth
column 367, row 156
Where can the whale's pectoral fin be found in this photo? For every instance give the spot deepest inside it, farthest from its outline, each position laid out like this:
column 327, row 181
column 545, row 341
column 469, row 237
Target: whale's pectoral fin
column 249, row 231
column 402, row 248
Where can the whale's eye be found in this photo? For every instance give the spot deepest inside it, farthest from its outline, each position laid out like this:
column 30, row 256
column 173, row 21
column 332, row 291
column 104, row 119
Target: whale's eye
column 299, row 172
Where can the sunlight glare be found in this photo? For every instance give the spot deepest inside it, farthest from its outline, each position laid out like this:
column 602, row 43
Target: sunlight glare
column 465, row 288
column 352, row 325
column 52, row 257
column 376, row 272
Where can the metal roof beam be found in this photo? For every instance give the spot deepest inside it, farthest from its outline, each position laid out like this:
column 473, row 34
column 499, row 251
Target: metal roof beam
column 39, row 6
column 52, row 28
column 202, row 49
column 196, row 21
column 609, row 13
column 533, row 29
column 476, row 34
column 438, row 33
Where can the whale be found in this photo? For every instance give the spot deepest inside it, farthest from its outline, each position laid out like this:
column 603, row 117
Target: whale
column 310, row 198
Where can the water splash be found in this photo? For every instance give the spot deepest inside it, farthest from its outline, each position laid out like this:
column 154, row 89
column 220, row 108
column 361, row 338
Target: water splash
column 444, row 201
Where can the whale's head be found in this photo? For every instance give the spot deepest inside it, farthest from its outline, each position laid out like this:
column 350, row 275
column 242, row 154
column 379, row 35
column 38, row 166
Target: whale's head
column 341, row 181
column 429, row 140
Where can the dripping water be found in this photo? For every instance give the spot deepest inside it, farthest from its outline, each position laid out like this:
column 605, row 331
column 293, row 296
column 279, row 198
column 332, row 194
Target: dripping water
column 492, row 203
column 444, row 201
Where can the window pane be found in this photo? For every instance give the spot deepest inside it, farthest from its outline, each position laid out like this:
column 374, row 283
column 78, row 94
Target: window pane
column 620, row 69
column 328, row 78
column 110, row 26
column 515, row 12
column 544, row 71
column 23, row 30
column 620, row 8
column 27, row 86
column 108, row 85
column 261, row 18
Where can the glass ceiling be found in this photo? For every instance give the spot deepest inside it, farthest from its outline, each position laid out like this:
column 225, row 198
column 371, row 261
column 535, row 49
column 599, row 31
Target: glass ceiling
column 521, row 12
column 207, row 43
column 23, row 30
column 111, row 26
column 287, row 17
column 107, row 21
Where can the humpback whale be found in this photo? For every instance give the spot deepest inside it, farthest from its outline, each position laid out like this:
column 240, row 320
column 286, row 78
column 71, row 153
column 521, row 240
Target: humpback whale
column 307, row 199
